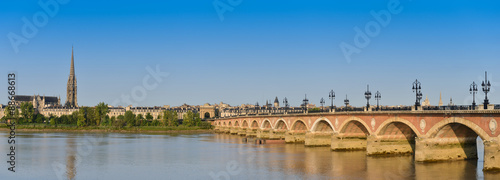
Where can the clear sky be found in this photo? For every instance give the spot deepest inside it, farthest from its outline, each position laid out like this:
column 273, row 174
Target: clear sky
column 248, row 51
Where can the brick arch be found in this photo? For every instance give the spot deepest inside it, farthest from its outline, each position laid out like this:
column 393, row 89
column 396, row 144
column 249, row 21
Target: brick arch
column 229, row 124
column 236, row 124
column 264, row 124
column 287, row 127
column 323, row 124
column 397, row 120
column 297, row 123
column 224, row 123
column 254, row 122
column 435, row 130
column 245, row 124
column 356, row 125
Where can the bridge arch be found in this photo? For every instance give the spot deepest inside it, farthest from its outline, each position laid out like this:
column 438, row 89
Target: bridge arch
column 236, row 123
column 245, row 124
column 355, row 125
column 281, row 125
column 322, row 124
column 266, row 124
column 254, row 124
column 455, row 124
column 299, row 125
column 399, row 122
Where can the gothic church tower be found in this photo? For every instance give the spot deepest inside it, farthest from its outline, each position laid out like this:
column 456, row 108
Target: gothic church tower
column 71, row 88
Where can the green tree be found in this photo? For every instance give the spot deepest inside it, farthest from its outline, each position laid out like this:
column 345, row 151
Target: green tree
column 197, row 119
column 39, row 118
column 27, row 111
column 16, row 116
column 82, row 117
column 120, row 121
column 130, row 118
column 102, row 110
column 149, row 117
column 170, row 118
column 187, row 119
column 138, row 120
column 53, row 119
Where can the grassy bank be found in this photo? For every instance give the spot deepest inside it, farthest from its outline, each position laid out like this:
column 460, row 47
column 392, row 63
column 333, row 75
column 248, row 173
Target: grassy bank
column 135, row 129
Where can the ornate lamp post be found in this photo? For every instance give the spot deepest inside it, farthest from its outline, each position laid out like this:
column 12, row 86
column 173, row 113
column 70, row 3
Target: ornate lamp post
column 473, row 91
column 285, row 101
column 368, row 95
column 305, row 102
column 346, row 101
column 332, row 97
column 418, row 94
column 486, row 88
column 377, row 97
column 322, row 102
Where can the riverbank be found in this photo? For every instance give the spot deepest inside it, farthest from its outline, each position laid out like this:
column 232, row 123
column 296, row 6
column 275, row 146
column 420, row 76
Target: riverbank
column 144, row 129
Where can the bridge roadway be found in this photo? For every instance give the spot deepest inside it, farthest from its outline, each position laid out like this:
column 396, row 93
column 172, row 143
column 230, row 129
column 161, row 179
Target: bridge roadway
column 439, row 135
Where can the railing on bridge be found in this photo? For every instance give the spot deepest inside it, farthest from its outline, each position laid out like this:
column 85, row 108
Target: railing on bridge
column 283, row 111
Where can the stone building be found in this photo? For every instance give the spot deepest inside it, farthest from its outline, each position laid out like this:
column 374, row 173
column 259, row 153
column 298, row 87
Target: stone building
column 39, row 102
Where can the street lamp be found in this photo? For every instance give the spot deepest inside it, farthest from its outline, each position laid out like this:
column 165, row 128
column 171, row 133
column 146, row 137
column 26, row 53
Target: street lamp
column 486, row 88
column 473, row 91
column 305, row 102
column 418, row 93
column 377, row 97
column 346, row 101
column 285, row 101
column 368, row 95
column 322, row 102
column 332, row 97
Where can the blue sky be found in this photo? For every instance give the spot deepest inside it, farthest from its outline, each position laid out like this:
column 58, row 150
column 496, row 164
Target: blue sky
column 260, row 50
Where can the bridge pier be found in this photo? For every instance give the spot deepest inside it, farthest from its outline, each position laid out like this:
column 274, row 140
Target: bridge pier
column 318, row 139
column 217, row 129
column 277, row 134
column 443, row 149
column 389, row 145
column 234, row 130
column 242, row 132
column 492, row 155
column 226, row 129
column 264, row 133
column 251, row 132
column 346, row 143
column 295, row 137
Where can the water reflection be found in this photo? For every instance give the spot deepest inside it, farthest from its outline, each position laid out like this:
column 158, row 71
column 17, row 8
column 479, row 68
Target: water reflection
column 319, row 162
column 196, row 156
column 70, row 158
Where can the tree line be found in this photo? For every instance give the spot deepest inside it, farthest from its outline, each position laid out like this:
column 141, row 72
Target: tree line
column 98, row 116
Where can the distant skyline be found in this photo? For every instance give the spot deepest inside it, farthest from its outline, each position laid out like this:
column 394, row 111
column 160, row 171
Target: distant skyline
column 257, row 51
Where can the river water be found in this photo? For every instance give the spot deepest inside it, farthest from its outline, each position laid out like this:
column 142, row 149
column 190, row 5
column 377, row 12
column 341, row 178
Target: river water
column 206, row 156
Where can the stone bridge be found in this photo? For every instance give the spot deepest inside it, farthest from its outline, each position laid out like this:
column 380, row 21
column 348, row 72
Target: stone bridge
column 428, row 135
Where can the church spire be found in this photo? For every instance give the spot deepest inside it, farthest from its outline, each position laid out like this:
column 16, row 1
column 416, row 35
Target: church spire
column 72, row 71
column 71, row 92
